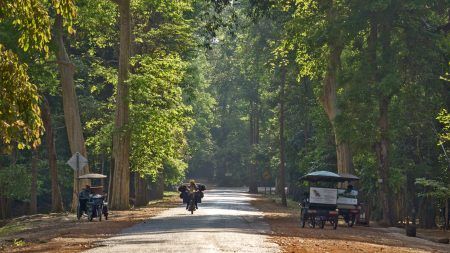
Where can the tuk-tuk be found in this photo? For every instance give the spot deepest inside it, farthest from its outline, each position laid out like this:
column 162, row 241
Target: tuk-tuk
column 91, row 200
column 326, row 202
column 320, row 202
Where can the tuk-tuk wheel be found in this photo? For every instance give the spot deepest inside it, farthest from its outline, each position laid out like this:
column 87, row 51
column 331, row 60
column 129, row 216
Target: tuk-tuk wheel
column 335, row 223
column 322, row 223
column 351, row 221
column 79, row 213
column 303, row 218
column 105, row 211
column 99, row 214
column 312, row 221
column 90, row 215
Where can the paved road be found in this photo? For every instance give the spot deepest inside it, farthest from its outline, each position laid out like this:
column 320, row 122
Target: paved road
column 225, row 222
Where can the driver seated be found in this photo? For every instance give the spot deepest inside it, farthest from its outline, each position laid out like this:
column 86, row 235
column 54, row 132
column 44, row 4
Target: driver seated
column 85, row 193
column 350, row 192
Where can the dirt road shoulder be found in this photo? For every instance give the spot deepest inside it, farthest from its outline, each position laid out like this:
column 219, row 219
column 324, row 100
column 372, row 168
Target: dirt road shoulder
column 63, row 233
column 291, row 237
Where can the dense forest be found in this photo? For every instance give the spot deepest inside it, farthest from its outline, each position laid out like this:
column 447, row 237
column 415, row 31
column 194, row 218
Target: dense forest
column 152, row 92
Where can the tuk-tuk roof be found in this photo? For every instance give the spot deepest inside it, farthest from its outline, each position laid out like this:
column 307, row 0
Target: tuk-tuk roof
column 92, row 176
column 328, row 176
column 322, row 175
column 348, row 176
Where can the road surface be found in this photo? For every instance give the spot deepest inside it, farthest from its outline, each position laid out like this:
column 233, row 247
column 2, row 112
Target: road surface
column 225, row 222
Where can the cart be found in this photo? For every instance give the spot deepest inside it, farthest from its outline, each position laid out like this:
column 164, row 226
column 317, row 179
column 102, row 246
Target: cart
column 91, row 202
column 320, row 203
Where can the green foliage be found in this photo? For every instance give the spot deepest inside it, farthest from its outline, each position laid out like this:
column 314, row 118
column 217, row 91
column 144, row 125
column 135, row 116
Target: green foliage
column 15, row 181
column 19, row 112
column 196, row 94
column 13, row 228
column 160, row 119
column 444, row 119
column 434, row 189
column 191, row 107
column 19, row 103
column 95, row 24
column 32, row 19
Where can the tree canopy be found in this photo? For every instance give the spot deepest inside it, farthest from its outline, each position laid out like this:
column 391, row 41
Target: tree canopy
column 229, row 91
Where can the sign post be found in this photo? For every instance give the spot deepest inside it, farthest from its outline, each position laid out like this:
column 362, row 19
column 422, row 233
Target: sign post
column 77, row 162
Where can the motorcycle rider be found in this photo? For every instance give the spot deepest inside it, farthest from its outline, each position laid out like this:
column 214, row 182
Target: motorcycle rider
column 85, row 193
column 192, row 192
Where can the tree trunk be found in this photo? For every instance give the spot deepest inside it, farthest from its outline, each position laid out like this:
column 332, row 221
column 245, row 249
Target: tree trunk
column 446, row 225
column 159, row 190
column 3, row 205
column 329, row 103
column 427, row 213
column 121, row 137
column 382, row 150
column 3, row 202
column 111, row 179
column 329, row 95
column 253, row 187
column 282, row 173
column 141, row 190
column 33, row 188
column 382, row 145
column 70, row 106
column 57, row 204
column 157, row 187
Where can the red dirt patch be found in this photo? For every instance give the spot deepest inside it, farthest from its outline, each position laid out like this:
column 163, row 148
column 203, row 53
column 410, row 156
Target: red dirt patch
column 63, row 233
column 291, row 237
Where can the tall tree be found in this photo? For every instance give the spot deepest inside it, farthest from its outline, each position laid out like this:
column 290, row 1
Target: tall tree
column 57, row 203
column 282, row 146
column 71, row 108
column 329, row 97
column 254, row 141
column 121, row 136
column 34, row 186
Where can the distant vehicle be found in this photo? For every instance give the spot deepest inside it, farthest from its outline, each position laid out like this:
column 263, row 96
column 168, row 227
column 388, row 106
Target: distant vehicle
column 325, row 202
column 191, row 198
column 319, row 204
column 91, row 201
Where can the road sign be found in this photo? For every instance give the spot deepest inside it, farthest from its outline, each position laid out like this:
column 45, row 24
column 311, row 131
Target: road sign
column 266, row 175
column 77, row 161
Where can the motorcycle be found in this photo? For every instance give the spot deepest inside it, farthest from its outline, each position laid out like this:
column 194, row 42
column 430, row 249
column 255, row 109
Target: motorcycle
column 191, row 206
column 191, row 198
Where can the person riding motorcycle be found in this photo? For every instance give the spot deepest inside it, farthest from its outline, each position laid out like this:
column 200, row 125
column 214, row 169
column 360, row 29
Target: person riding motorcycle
column 192, row 191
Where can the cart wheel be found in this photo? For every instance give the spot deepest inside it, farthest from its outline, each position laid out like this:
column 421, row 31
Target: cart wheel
column 99, row 214
column 335, row 222
column 303, row 219
column 322, row 223
column 90, row 215
column 105, row 211
column 79, row 212
column 351, row 220
column 312, row 221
